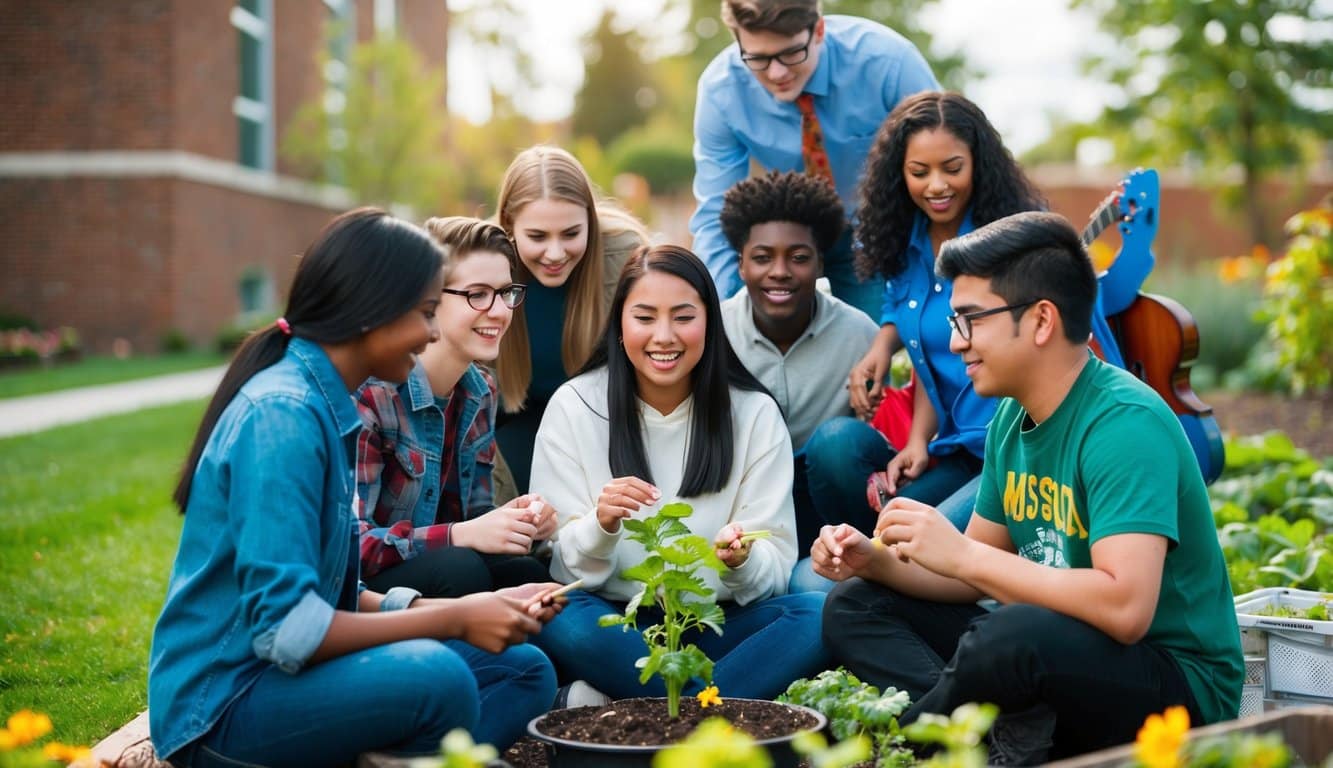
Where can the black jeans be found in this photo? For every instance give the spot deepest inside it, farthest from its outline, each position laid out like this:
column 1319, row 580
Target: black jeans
column 1019, row 657
column 458, row 571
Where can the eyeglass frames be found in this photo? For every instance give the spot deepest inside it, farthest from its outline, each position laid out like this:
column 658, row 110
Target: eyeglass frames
column 482, row 297
column 759, row 62
column 963, row 323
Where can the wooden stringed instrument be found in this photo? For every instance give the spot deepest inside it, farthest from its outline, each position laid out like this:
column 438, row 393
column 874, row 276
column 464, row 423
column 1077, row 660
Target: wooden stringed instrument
column 1158, row 337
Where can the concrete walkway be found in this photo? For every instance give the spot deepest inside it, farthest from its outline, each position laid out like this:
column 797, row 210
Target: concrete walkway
column 34, row 413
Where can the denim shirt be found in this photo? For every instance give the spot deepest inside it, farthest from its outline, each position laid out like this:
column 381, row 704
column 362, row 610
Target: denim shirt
column 266, row 552
column 917, row 301
column 400, row 477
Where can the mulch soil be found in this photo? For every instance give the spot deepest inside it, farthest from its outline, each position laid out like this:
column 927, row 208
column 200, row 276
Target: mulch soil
column 1307, row 420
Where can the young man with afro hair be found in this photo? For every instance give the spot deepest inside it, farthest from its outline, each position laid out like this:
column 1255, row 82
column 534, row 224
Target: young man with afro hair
column 798, row 341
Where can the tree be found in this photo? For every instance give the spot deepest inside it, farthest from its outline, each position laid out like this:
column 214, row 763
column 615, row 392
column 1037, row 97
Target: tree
column 1218, row 83
column 617, row 87
column 383, row 139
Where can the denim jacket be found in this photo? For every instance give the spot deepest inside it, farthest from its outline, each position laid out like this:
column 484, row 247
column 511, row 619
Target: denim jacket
column 407, row 499
column 268, row 547
column 919, row 296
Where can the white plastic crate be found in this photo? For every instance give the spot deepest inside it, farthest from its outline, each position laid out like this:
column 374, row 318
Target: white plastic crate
column 1298, row 651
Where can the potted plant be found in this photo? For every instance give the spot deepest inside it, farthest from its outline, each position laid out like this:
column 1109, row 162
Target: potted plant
column 615, row 736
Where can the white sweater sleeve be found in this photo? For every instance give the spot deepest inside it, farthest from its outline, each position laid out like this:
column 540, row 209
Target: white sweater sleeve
column 763, row 502
column 581, row 549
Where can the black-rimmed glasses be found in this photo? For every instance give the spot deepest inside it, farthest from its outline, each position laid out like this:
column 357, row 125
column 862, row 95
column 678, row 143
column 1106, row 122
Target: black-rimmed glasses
column 963, row 323
column 482, row 297
column 759, row 62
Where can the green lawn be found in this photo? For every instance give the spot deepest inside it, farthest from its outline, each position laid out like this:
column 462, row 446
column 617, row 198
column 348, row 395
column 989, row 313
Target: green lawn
column 100, row 370
column 87, row 537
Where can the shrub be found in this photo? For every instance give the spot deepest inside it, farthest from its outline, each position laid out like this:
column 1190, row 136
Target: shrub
column 174, row 342
column 1298, row 301
column 666, row 160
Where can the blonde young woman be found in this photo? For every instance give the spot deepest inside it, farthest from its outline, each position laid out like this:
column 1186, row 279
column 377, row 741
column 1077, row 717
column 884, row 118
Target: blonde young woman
column 571, row 247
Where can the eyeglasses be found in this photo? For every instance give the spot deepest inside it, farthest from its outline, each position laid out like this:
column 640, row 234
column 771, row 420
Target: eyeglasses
column 482, row 297
column 759, row 62
column 963, row 323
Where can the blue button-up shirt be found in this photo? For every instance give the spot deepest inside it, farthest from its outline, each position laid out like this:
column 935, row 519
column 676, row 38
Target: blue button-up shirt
column 864, row 70
column 268, row 549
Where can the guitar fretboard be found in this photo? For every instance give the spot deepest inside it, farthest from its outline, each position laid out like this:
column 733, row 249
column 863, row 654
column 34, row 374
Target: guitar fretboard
column 1106, row 214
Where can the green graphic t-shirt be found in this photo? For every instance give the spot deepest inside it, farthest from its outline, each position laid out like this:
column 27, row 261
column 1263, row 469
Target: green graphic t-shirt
column 1113, row 459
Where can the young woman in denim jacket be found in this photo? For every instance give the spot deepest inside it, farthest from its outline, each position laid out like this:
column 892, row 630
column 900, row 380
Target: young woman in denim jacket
column 268, row 651
column 425, row 458
column 665, row 411
column 937, row 170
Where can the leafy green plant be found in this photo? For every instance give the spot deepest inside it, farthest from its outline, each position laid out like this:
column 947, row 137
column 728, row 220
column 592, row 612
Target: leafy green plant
column 1274, row 510
column 960, row 735
column 671, row 582
column 1298, row 301
column 855, row 708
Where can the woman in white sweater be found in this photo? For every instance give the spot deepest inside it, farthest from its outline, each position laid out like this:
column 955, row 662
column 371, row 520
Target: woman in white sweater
column 664, row 411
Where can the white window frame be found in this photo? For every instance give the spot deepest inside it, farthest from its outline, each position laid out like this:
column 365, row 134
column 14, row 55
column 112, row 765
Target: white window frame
column 258, row 111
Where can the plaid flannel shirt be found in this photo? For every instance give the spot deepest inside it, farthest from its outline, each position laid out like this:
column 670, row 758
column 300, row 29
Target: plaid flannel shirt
column 407, row 500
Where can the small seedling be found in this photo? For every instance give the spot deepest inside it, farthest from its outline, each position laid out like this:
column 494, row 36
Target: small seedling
column 670, row 581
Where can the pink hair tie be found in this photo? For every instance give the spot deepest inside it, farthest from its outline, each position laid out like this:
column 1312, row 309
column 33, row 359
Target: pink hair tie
column 284, row 326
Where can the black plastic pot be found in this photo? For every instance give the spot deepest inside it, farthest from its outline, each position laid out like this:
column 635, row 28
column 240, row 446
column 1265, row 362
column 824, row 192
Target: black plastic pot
column 566, row 753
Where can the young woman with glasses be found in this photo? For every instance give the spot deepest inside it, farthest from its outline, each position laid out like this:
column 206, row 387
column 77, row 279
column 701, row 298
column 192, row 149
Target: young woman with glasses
column 425, row 459
column 938, row 169
column 571, row 245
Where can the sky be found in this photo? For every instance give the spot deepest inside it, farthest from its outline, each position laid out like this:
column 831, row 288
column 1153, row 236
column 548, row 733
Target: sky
column 1027, row 51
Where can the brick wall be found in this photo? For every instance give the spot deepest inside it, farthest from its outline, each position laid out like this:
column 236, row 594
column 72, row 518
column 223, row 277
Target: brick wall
column 135, row 258
column 88, row 75
column 205, row 76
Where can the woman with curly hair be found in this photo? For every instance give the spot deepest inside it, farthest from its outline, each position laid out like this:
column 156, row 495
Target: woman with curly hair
column 938, row 169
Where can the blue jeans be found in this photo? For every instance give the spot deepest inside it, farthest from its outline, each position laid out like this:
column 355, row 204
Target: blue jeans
column 840, row 269
column 764, row 646
column 401, row 697
column 842, row 453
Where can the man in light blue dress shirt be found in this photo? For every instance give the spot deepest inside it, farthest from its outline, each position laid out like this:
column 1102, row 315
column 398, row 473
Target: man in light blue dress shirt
column 856, row 70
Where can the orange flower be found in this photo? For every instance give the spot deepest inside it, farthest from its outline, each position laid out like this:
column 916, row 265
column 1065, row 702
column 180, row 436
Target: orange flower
column 709, row 697
column 65, row 753
column 26, row 726
column 1161, row 738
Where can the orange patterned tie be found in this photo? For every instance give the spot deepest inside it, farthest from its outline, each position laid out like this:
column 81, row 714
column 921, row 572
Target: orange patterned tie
column 812, row 140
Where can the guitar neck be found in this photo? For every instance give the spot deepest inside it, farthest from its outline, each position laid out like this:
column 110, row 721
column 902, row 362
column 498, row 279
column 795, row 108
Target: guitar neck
column 1106, row 214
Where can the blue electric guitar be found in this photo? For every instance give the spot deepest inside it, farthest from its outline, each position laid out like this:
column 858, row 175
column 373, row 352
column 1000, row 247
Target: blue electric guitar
column 1158, row 337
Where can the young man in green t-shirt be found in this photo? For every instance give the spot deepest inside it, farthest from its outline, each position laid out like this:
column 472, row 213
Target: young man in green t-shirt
column 1092, row 530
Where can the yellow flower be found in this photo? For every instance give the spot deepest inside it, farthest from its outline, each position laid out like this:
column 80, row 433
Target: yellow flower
column 1161, row 737
column 708, row 697
column 65, row 753
column 7, row 740
column 26, row 726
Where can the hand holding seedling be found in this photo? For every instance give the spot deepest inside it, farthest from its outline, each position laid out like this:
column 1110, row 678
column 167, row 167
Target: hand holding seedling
column 732, row 544
column 621, row 498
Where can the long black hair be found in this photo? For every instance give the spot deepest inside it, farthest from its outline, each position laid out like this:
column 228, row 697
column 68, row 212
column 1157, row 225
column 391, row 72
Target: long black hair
column 711, row 445
column 365, row 269
column 886, row 210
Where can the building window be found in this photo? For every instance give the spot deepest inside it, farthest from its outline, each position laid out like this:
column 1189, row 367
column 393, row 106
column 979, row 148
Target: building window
column 253, row 106
column 255, row 293
column 341, row 32
column 386, row 17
